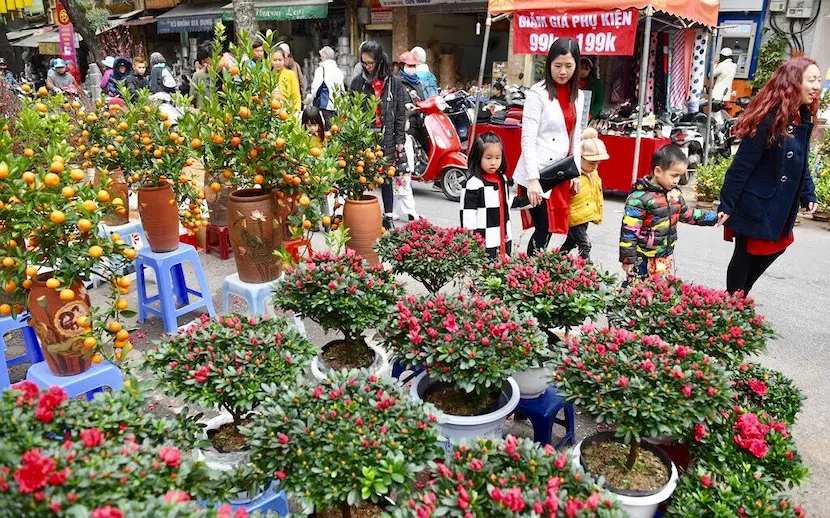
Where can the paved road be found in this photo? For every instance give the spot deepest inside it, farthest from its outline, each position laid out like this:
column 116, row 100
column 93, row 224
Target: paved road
column 794, row 295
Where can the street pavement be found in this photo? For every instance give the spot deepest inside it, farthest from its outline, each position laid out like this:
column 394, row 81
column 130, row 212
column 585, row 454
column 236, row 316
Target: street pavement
column 793, row 295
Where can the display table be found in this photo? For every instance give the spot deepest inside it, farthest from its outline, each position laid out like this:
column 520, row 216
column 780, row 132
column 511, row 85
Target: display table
column 616, row 171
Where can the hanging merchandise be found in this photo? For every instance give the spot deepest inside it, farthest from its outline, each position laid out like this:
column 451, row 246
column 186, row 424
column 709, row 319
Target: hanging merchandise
column 698, row 69
column 679, row 87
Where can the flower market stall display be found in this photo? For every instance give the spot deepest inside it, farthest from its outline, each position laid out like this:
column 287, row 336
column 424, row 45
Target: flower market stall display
column 469, row 347
column 723, row 326
column 86, row 467
column 248, row 141
column 154, row 155
column 646, row 388
column 760, row 389
column 342, row 293
column 175, row 503
column 223, row 363
column 508, row 478
column 344, row 446
column 709, row 180
column 362, row 167
column 430, row 254
column 822, row 182
column 50, row 218
column 560, row 291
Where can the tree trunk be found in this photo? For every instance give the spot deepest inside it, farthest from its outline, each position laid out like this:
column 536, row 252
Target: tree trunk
column 77, row 16
column 6, row 51
column 244, row 19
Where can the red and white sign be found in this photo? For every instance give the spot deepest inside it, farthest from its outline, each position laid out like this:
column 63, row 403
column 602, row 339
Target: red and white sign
column 66, row 35
column 599, row 32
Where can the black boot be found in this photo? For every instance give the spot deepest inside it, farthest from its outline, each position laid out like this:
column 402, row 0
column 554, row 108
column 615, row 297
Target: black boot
column 387, row 223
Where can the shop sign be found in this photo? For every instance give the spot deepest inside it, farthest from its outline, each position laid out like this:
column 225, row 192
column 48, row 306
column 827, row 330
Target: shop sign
column 381, row 16
column 187, row 24
column 599, row 32
column 286, row 12
column 415, row 3
column 66, row 35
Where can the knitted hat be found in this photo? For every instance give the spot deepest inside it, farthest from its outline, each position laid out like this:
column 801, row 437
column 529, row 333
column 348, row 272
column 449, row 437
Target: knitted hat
column 593, row 148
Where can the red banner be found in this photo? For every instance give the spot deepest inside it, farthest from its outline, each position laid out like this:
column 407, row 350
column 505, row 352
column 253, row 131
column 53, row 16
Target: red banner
column 66, row 36
column 599, row 32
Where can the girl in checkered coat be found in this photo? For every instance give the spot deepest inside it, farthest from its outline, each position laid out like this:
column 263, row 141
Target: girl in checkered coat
column 485, row 203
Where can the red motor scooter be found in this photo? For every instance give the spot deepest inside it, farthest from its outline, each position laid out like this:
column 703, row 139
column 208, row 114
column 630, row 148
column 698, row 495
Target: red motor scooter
column 443, row 163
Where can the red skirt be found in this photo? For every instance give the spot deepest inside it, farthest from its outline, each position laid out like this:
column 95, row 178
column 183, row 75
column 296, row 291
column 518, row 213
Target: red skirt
column 761, row 246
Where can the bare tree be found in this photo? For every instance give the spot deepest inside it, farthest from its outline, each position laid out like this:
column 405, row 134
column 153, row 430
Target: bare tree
column 78, row 16
column 244, row 18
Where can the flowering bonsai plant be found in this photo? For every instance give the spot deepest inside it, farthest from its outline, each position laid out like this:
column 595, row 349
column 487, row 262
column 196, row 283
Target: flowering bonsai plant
column 224, row 362
column 356, row 432
column 49, row 216
column 470, row 344
column 754, row 439
column 176, row 503
column 430, row 254
column 760, row 389
column 725, row 327
column 558, row 290
column 343, row 293
column 727, row 492
column 710, row 179
column 510, row 478
column 86, row 466
column 641, row 384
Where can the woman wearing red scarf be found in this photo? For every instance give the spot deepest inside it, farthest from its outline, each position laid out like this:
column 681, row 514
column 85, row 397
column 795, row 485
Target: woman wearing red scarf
column 551, row 130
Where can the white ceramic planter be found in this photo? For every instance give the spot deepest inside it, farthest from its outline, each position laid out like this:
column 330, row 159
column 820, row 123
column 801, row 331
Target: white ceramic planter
column 533, row 382
column 381, row 367
column 639, row 506
column 471, row 427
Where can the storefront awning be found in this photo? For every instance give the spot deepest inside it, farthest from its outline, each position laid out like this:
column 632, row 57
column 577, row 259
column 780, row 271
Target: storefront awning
column 33, row 37
column 421, row 3
column 48, row 44
column 700, row 11
column 190, row 18
column 284, row 10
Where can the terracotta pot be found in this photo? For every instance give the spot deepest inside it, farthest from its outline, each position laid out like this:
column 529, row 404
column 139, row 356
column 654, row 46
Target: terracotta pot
column 255, row 235
column 56, row 324
column 362, row 218
column 159, row 217
column 705, row 204
column 821, row 215
column 118, row 188
column 217, row 203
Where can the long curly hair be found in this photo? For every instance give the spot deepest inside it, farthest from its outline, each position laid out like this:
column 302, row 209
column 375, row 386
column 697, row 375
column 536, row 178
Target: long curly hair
column 781, row 96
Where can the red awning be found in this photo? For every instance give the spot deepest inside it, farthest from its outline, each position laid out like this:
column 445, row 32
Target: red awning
column 700, row 11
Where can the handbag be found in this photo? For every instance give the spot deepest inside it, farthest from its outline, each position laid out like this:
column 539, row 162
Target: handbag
column 550, row 176
column 321, row 97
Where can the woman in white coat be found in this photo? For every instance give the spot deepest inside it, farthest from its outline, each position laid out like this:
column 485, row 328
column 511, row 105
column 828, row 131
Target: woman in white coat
column 551, row 130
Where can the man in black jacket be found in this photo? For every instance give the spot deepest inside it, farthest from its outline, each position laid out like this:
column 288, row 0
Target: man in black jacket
column 138, row 79
column 377, row 80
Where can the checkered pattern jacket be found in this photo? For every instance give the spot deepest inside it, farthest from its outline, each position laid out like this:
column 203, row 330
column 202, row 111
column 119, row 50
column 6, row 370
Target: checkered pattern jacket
column 480, row 211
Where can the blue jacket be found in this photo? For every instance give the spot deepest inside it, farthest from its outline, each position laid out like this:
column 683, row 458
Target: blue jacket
column 765, row 185
column 428, row 83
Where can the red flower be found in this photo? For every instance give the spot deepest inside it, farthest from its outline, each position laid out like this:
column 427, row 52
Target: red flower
column 687, row 390
column 758, row 387
column 92, row 437
column 623, row 381
column 171, row 456
column 280, row 475
column 47, row 402
column 107, row 512
column 34, row 472
column 706, row 480
column 700, row 432
column 201, row 375
column 29, row 390
column 176, row 496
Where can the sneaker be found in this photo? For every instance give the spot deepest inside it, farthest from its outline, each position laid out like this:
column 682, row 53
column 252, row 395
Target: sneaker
column 387, row 223
column 413, row 217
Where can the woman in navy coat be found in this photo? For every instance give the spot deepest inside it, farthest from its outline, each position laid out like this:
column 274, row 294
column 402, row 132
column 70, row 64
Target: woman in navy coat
column 769, row 178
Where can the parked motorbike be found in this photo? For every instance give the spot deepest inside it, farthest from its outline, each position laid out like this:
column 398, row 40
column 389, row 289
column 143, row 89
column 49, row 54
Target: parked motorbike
column 461, row 112
column 442, row 162
column 167, row 106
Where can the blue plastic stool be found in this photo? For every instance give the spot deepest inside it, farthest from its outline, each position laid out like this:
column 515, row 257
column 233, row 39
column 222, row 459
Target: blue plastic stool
column 127, row 229
column 170, row 279
column 271, row 500
column 542, row 412
column 100, row 375
column 33, row 353
column 254, row 294
column 398, row 368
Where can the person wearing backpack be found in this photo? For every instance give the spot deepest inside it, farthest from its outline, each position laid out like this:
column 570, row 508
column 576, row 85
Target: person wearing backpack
column 328, row 80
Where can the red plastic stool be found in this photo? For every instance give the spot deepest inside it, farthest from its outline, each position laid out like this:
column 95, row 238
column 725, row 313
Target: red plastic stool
column 218, row 239
column 188, row 239
column 292, row 246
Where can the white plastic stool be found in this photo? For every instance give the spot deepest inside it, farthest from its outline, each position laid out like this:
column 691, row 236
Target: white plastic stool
column 254, row 294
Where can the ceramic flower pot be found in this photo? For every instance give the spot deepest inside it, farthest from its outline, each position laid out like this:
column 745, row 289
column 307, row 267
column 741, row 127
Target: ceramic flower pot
column 381, row 367
column 117, row 188
column 638, row 504
column 159, row 217
column 705, row 204
column 533, row 382
column 363, row 219
column 821, row 215
column 56, row 324
column 255, row 235
column 490, row 424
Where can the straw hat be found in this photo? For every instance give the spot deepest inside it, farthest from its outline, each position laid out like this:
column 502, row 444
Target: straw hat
column 593, row 148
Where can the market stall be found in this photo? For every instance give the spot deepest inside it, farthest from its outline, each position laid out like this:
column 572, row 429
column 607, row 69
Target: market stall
column 610, row 28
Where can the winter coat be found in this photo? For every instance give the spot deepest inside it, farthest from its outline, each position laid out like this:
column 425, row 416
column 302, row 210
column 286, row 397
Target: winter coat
column 485, row 209
column 428, row 80
column 289, row 87
column 135, row 83
column 765, row 185
column 650, row 218
column 117, row 78
column 545, row 138
column 392, row 110
column 328, row 73
column 586, row 205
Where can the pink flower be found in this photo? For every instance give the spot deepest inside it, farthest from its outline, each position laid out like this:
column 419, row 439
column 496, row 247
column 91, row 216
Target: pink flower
column 706, row 480
column 476, row 465
column 171, row 456
column 700, row 432
column 758, row 387
column 282, row 438
column 623, row 381
column 92, row 437
column 107, row 512
column 176, row 496
column 280, row 475
column 687, row 390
